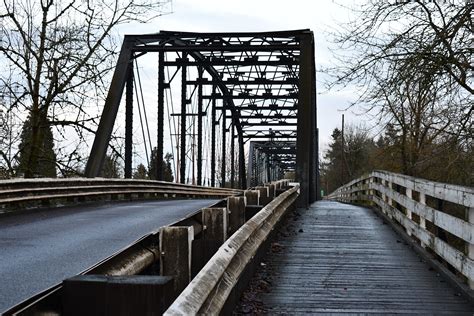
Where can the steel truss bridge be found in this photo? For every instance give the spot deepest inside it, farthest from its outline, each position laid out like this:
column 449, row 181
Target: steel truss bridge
column 250, row 86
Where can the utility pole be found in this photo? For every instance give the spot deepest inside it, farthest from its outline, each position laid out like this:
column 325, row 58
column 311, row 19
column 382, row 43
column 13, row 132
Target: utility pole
column 342, row 151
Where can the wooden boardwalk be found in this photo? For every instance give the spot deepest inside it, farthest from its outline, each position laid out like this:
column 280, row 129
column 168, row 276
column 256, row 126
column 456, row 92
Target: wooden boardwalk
column 344, row 259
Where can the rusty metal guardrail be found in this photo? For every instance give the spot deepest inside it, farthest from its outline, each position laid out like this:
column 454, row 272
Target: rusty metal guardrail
column 439, row 216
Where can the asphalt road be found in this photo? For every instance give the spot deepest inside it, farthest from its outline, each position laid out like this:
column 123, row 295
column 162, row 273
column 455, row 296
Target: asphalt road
column 40, row 249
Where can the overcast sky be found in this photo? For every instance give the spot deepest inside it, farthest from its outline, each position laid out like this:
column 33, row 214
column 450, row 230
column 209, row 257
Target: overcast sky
column 267, row 15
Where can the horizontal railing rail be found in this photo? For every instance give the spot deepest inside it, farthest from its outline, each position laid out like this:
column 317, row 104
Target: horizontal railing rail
column 440, row 216
column 15, row 194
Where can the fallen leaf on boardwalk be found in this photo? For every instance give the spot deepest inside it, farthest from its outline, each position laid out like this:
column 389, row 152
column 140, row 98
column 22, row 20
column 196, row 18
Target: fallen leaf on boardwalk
column 276, row 247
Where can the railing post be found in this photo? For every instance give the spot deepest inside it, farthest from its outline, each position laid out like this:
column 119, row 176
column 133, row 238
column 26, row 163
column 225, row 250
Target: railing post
column 175, row 254
column 389, row 200
column 470, row 247
column 371, row 190
column 215, row 224
column 384, row 196
column 236, row 208
column 264, row 196
column 253, row 197
column 422, row 219
column 409, row 194
column 271, row 190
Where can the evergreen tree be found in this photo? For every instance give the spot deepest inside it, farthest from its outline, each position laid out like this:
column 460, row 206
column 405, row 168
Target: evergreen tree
column 344, row 162
column 42, row 152
column 111, row 168
column 141, row 172
column 167, row 172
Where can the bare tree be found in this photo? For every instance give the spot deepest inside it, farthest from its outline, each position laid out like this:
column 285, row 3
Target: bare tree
column 408, row 35
column 60, row 53
column 412, row 63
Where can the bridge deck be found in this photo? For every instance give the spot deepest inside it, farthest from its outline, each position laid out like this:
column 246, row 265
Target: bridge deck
column 347, row 260
column 42, row 248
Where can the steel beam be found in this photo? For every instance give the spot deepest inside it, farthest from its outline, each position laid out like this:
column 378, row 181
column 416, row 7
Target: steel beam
column 304, row 139
column 161, row 119
column 233, row 63
column 224, row 149
column 199, row 132
column 232, row 156
column 292, row 96
column 242, row 173
column 182, row 167
column 129, row 122
column 222, row 48
column 213, row 140
column 107, row 120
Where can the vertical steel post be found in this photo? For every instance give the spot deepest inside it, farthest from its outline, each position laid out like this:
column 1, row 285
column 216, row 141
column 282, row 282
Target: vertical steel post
column 213, row 139
column 315, row 191
column 304, row 139
column 251, row 166
column 223, row 144
column 232, row 155
column 182, row 168
column 242, row 173
column 161, row 119
column 199, row 131
column 129, row 122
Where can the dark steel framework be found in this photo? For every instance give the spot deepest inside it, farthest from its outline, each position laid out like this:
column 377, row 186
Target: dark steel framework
column 263, row 88
column 270, row 161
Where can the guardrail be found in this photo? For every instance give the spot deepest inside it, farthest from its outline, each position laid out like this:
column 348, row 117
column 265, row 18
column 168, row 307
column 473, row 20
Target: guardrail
column 166, row 259
column 26, row 193
column 439, row 216
column 210, row 289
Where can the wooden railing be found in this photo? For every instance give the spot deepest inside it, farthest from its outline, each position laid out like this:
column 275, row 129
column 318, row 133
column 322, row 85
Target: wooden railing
column 439, row 216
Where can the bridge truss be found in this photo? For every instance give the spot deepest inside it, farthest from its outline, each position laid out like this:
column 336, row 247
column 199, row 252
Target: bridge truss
column 256, row 88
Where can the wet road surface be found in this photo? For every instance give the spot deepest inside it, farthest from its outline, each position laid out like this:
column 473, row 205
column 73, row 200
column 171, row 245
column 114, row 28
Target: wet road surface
column 40, row 249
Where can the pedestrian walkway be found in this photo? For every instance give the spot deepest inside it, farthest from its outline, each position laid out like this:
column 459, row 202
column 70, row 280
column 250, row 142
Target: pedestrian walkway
column 338, row 258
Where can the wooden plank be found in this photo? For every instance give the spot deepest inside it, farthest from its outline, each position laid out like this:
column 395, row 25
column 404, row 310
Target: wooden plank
column 339, row 258
column 456, row 258
column 448, row 192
